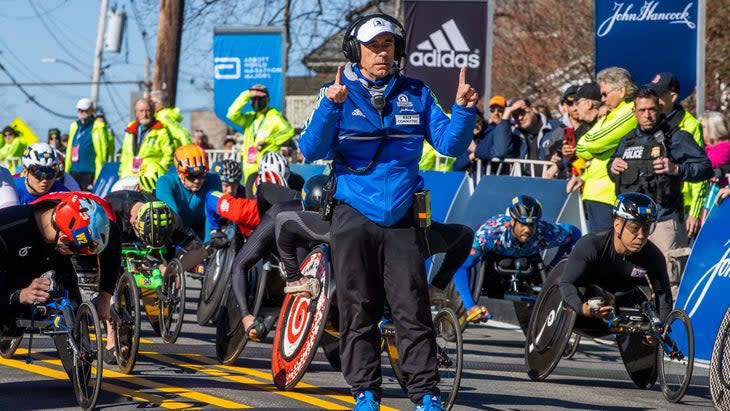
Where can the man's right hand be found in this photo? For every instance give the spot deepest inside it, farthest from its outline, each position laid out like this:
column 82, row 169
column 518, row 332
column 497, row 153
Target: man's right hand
column 619, row 165
column 218, row 239
column 337, row 92
column 36, row 292
column 722, row 194
column 602, row 312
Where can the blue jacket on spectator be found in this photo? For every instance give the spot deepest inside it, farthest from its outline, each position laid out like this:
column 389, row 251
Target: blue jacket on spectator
column 510, row 142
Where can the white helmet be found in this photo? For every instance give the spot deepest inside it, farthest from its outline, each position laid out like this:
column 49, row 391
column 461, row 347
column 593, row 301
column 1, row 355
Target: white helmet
column 273, row 161
column 40, row 154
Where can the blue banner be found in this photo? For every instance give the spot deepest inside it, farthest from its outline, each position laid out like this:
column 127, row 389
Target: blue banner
column 243, row 57
column 648, row 37
column 706, row 281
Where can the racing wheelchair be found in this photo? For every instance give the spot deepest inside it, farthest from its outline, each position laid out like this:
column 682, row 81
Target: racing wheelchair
column 217, row 273
column 76, row 332
column 720, row 365
column 305, row 323
column 635, row 318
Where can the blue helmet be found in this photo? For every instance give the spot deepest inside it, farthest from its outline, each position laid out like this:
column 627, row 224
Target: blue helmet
column 525, row 209
column 312, row 192
column 635, row 206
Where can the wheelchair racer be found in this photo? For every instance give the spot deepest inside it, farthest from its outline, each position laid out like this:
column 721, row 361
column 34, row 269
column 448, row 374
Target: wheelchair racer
column 41, row 169
column 617, row 260
column 519, row 233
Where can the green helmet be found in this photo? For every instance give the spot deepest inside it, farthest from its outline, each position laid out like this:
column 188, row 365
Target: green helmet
column 155, row 224
column 147, row 177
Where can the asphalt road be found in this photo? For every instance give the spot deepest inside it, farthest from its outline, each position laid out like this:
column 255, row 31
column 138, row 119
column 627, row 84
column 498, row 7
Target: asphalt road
column 186, row 375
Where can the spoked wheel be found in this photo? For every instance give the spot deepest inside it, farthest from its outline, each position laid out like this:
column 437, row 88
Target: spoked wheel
column 214, row 283
column 449, row 354
column 230, row 336
column 675, row 365
column 126, row 316
column 172, row 302
column 571, row 347
column 9, row 345
column 720, row 366
column 88, row 364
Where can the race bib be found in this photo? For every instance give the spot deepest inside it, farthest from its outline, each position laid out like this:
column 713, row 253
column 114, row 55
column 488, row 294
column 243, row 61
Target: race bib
column 251, row 155
column 136, row 163
column 75, row 153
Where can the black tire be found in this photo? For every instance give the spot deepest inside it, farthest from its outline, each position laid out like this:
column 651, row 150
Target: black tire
column 230, row 336
column 9, row 345
column 720, row 366
column 217, row 272
column 88, row 365
column 172, row 302
column 449, row 355
column 675, row 367
column 571, row 347
column 127, row 322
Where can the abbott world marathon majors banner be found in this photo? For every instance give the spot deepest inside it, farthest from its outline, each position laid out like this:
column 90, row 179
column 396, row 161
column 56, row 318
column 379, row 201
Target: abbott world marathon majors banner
column 242, row 57
column 703, row 292
column 442, row 37
column 648, row 37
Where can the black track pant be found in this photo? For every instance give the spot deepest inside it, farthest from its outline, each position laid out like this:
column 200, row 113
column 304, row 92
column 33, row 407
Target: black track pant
column 374, row 263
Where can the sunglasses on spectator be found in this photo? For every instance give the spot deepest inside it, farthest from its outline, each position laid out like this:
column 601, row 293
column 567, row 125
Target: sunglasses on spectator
column 496, row 110
column 43, row 173
column 196, row 176
column 519, row 112
column 568, row 102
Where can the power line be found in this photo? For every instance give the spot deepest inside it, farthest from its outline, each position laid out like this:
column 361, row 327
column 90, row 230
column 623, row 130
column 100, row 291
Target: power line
column 32, row 99
column 140, row 26
column 53, row 35
column 66, row 83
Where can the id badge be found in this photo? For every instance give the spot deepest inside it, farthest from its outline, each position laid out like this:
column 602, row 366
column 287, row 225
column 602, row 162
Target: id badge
column 251, row 155
column 75, row 154
column 136, row 163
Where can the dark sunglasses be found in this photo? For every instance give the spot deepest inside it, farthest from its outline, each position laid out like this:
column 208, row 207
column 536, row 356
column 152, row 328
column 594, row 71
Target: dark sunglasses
column 519, row 112
column 568, row 102
column 196, row 176
column 496, row 110
column 43, row 173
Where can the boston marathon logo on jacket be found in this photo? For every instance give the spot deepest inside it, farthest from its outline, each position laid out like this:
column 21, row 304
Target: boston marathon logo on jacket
column 640, row 176
column 650, row 11
column 445, row 47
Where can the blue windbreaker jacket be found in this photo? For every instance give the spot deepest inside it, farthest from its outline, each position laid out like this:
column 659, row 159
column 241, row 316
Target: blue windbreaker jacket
column 353, row 129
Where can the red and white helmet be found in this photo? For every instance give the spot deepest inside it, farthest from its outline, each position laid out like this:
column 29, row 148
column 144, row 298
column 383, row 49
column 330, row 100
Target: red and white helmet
column 270, row 176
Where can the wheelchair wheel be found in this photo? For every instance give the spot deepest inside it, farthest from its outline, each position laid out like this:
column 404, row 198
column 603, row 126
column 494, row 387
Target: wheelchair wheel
column 88, row 364
column 126, row 316
column 391, row 348
column 720, row 366
column 331, row 348
column 449, row 355
column 230, row 336
column 214, row 283
column 9, row 345
column 172, row 302
column 571, row 347
column 675, row 366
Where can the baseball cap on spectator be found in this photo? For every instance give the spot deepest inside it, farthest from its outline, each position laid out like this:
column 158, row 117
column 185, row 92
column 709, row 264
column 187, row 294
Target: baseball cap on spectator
column 497, row 101
column 260, row 87
column 664, row 81
column 83, row 104
column 569, row 94
column 374, row 27
column 588, row 91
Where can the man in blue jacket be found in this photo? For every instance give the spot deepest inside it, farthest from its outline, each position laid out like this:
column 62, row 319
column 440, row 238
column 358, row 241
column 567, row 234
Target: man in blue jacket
column 373, row 122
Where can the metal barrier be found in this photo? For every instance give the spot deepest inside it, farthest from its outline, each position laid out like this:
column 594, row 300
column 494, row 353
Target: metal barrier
column 515, row 167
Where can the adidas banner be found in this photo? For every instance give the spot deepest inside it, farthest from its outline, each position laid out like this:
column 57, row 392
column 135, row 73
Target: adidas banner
column 648, row 37
column 441, row 38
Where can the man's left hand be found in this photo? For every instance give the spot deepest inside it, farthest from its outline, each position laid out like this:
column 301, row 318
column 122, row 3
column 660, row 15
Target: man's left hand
column 466, row 96
column 663, row 165
column 692, row 225
column 102, row 303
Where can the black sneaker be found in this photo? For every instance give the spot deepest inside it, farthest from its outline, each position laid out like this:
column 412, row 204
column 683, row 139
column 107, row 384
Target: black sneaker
column 109, row 356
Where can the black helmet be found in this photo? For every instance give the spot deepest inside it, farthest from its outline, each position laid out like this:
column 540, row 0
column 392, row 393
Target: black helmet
column 155, row 224
column 635, row 206
column 230, row 171
column 312, row 192
column 525, row 209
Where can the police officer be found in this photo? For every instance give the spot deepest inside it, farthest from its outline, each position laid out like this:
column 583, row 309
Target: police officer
column 654, row 159
column 374, row 121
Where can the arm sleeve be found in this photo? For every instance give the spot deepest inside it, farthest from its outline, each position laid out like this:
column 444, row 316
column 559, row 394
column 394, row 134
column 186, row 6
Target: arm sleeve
column 485, row 147
column 698, row 194
column 101, row 148
column 234, row 111
column 241, row 211
column 164, row 191
column 567, row 236
column 575, row 269
column 320, row 130
column 461, row 282
column 694, row 166
column 69, row 148
column 110, row 261
column 282, row 131
column 606, row 135
column 450, row 137
column 502, row 142
column 125, row 160
column 166, row 146
column 211, row 209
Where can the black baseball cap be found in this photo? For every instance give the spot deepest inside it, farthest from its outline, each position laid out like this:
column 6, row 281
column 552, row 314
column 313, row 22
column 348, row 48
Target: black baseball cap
column 569, row 94
column 664, row 81
column 589, row 91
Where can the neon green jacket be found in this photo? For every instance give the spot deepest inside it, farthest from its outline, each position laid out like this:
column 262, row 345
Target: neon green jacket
column 156, row 147
column 14, row 149
column 694, row 193
column 598, row 145
column 428, row 160
column 271, row 125
column 100, row 138
column 172, row 120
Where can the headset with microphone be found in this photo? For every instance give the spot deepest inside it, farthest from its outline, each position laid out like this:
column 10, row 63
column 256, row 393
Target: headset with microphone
column 351, row 47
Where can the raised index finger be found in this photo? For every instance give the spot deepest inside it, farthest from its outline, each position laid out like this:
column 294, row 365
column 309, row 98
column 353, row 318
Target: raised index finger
column 338, row 76
column 462, row 75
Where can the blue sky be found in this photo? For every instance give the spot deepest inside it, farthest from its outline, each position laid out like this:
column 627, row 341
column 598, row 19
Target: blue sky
column 33, row 30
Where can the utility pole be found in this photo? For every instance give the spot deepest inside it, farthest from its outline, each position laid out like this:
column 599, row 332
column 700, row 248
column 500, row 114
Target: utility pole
column 96, row 73
column 169, row 34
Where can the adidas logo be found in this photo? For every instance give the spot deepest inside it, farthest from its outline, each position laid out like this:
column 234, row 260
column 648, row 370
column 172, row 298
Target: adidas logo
column 357, row 112
column 445, row 47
